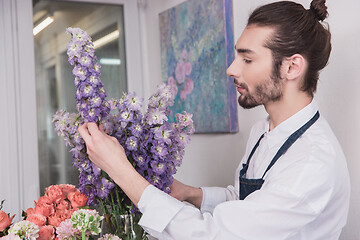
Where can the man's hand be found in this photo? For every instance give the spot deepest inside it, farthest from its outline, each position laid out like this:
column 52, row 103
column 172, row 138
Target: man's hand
column 187, row 193
column 103, row 150
column 106, row 153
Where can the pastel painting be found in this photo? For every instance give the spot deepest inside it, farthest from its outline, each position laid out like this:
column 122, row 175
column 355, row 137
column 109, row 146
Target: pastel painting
column 197, row 46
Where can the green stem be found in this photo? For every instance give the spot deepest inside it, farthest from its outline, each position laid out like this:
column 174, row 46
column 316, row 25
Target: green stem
column 83, row 235
column 103, row 207
column 118, row 198
column 114, row 213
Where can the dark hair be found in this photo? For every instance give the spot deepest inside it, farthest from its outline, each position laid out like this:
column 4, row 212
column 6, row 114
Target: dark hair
column 297, row 31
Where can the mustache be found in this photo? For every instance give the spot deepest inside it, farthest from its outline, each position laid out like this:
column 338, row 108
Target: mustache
column 242, row 85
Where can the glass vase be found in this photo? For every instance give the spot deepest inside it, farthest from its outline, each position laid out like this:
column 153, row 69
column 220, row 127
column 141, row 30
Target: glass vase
column 124, row 226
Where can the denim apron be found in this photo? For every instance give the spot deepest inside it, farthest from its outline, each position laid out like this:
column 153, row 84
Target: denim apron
column 248, row 186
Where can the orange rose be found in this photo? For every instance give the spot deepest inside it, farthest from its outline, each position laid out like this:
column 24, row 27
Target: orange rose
column 36, row 218
column 44, row 209
column 77, row 199
column 62, row 205
column 30, row 211
column 5, row 221
column 54, row 193
column 67, row 188
column 56, row 219
column 45, row 199
column 46, row 232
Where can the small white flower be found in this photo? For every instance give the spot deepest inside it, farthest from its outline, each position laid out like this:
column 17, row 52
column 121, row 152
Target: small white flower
column 25, row 229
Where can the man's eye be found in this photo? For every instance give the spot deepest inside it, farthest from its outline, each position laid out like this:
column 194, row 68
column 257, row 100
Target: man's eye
column 246, row 60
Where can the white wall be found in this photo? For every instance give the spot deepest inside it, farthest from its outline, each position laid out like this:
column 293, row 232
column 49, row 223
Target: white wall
column 19, row 170
column 211, row 159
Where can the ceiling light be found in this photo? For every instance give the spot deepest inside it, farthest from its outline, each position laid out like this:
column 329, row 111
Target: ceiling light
column 110, row 61
column 106, row 39
column 43, row 24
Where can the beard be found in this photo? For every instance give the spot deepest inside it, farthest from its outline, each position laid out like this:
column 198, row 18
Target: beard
column 270, row 90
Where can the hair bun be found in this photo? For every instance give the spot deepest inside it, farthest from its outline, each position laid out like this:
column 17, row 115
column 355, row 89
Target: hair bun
column 319, row 9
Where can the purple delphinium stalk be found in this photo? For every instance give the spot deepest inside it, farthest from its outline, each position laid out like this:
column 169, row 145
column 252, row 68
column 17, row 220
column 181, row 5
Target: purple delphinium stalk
column 90, row 94
column 154, row 146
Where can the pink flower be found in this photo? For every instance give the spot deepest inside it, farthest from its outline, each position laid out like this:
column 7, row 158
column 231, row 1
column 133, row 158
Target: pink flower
column 77, row 199
column 37, row 218
column 56, row 219
column 66, row 231
column 183, row 95
column 46, row 232
column 180, row 71
column 5, row 221
column 189, row 86
column 44, row 208
column 67, row 188
column 44, row 199
column 173, row 87
column 30, row 211
column 188, row 68
column 63, row 205
column 54, row 193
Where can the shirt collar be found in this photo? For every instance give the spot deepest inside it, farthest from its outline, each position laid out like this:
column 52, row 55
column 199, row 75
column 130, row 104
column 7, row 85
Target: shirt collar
column 290, row 125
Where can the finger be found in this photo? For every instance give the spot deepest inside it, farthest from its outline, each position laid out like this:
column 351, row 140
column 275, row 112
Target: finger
column 101, row 127
column 84, row 133
column 94, row 129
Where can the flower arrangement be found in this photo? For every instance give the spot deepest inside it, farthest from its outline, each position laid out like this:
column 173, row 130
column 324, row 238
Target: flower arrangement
column 154, row 146
column 58, row 204
column 83, row 224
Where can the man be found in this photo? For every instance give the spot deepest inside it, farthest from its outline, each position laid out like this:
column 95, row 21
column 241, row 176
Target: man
column 293, row 181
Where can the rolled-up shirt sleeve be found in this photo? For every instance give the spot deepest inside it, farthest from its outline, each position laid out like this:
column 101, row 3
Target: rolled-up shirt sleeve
column 213, row 196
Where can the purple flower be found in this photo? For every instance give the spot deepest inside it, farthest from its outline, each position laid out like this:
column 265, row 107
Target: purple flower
column 131, row 143
column 159, row 150
column 80, row 72
column 94, row 80
column 158, row 167
column 163, row 134
column 78, row 34
column 136, row 129
column 73, row 51
column 141, row 160
column 95, row 101
column 133, row 102
column 85, row 60
column 154, row 146
column 156, row 116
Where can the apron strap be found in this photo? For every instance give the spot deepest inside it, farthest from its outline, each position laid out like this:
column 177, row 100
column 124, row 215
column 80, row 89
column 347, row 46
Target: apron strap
column 293, row 137
column 245, row 166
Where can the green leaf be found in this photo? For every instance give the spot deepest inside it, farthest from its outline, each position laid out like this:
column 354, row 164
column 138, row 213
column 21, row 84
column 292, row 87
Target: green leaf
column 24, row 214
column 1, row 204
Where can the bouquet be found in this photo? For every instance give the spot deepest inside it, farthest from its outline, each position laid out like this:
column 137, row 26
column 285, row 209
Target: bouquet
column 83, row 224
column 58, row 204
column 153, row 145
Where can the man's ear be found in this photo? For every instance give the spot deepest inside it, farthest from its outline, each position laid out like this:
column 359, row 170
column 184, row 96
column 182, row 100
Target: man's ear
column 295, row 67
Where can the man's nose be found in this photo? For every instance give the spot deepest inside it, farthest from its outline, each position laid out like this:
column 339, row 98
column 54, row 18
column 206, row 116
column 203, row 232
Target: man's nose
column 234, row 69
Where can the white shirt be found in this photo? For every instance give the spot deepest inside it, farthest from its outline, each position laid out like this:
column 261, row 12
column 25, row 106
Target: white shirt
column 305, row 195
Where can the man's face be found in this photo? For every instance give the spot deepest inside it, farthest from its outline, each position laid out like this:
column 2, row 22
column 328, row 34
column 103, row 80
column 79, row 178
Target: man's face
column 252, row 68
